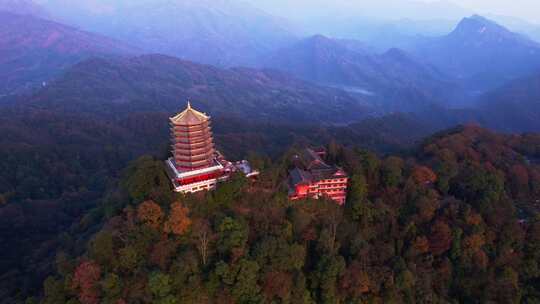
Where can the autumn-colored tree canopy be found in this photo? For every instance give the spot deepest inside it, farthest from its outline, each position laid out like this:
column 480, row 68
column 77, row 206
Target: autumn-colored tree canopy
column 423, row 175
column 458, row 222
column 150, row 214
column 178, row 222
column 85, row 282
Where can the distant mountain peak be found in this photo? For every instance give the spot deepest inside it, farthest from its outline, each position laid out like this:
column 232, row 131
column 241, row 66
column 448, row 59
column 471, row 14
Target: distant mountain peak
column 478, row 18
column 321, row 42
column 479, row 25
column 319, row 38
column 478, row 30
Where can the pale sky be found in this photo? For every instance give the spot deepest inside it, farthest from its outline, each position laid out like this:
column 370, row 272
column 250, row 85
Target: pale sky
column 528, row 10
column 524, row 9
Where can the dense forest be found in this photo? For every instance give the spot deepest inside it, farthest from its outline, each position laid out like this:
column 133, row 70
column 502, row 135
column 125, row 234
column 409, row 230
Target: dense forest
column 57, row 166
column 455, row 221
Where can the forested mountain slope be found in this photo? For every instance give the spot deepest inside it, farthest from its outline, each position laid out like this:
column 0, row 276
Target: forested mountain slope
column 457, row 222
column 114, row 87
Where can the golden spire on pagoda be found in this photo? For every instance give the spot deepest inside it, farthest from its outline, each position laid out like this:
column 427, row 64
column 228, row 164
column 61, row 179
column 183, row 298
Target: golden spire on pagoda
column 189, row 117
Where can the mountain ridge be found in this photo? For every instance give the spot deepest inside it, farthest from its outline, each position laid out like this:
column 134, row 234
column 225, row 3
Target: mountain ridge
column 481, row 53
column 221, row 33
column 36, row 50
column 394, row 80
column 164, row 83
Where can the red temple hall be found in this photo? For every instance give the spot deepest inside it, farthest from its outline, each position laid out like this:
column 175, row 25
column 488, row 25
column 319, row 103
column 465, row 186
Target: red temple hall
column 312, row 177
column 196, row 165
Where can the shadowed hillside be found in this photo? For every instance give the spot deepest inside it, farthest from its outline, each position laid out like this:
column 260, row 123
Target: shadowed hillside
column 35, row 50
column 161, row 83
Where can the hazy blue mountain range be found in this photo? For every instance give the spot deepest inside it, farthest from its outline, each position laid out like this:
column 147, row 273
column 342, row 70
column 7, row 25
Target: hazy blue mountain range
column 116, row 88
column 532, row 30
column 481, row 53
column 447, row 71
column 315, row 10
column 112, row 87
column 219, row 32
column 394, row 80
column 34, row 50
column 514, row 107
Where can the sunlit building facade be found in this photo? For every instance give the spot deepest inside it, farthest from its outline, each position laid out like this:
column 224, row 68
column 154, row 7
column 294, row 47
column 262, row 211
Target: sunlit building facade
column 312, row 177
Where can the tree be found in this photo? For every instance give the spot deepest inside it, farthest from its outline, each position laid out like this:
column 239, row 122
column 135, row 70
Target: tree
column 187, row 279
column 241, row 279
column 178, row 222
column 519, row 180
column 112, row 288
column 150, row 214
column 162, row 252
column 331, row 216
column 227, row 193
column 474, row 242
column 423, row 175
column 85, row 282
column 277, row 285
column 203, row 236
column 440, row 238
column 478, row 186
column 146, row 178
column 405, row 282
column 392, row 171
column 355, row 281
column 358, row 188
column 507, row 286
column 53, row 291
column 371, row 164
column 102, row 248
column 276, row 254
column 129, row 258
column 421, row 245
column 358, row 206
column 232, row 237
column 426, row 206
column 159, row 285
column 325, row 277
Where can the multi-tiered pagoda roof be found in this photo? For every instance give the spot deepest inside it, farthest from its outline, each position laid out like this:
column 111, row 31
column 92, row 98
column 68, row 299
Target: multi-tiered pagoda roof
column 196, row 165
column 193, row 145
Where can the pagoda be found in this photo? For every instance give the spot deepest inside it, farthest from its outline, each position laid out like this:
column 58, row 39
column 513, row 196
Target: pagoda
column 195, row 165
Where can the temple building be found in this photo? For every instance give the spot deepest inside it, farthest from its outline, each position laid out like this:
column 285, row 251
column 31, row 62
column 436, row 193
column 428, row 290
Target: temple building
column 312, row 177
column 196, row 165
